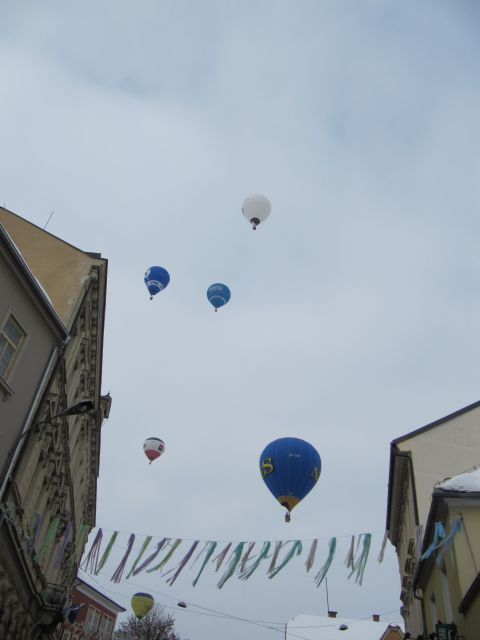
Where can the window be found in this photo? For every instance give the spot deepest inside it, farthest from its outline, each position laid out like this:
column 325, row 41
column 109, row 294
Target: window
column 92, row 619
column 11, row 338
column 106, row 627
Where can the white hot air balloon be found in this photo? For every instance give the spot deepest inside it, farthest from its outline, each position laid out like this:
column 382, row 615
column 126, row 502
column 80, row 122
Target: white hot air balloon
column 256, row 208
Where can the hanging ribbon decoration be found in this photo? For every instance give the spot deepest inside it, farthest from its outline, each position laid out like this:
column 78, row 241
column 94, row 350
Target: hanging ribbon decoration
column 360, row 564
column 332, row 545
column 117, row 576
column 175, row 545
column 92, row 556
column 245, row 575
column 438, row 536
column 106, row 553
column 235, row 559
column 295, row 550
column 139, row 556
column 211, row 548
column 457, row 525
column 152, row 556
column 183, row 562
column 240, row 557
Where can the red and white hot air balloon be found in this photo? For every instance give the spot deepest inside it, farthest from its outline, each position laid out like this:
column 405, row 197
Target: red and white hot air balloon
column 153, row 448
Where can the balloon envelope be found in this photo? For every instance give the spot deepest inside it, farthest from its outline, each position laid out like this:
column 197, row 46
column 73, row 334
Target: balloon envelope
column 290, row 468
column 153, row 448
column 218, row 294
column 141, row 604
column 156, row 279
column 256, row 208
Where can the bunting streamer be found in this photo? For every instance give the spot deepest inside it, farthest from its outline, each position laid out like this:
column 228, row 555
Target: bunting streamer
column 311, row 555
column 438, row 536
column 262, row 556
column 361, row 562
column 384, row 544
column 48, row 540
column 81, row 539
column 246, row 555
column 175, row 545
column 139, row 556
column 34, row 526
column 152, row 556
column 92, row 556
column 349, row 560
column 209, row 554
column 240, row 559
column 332, row 545
column 447, row 543
column 235, row 559
column 183, row 562
column 295, row 550
column 117, row 576
column 66, row 537
column 106, row 553
column 273, row 562
column 221, row 556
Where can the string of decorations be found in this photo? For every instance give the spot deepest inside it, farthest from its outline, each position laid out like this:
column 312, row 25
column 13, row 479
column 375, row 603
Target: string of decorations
column 170, row 556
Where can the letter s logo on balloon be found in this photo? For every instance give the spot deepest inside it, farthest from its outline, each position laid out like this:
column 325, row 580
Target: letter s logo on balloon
column 267, row 467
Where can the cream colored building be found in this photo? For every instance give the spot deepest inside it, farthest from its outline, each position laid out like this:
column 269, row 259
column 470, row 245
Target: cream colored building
column 418, row 461
column 448, row 580
column 49, row 478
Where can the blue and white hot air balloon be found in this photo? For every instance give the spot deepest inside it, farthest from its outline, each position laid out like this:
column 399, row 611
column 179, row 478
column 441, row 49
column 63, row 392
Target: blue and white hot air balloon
column 156, row 279
column 218, row 294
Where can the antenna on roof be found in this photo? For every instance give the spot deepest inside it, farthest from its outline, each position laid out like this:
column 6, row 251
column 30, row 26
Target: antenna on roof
column 49, row 217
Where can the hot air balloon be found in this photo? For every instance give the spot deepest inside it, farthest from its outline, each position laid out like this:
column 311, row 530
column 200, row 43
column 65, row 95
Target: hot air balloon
column 290, row 468
column 156, row 279
column 153, row 448
column 141, row 604
column 256, row 208
column 218, row 294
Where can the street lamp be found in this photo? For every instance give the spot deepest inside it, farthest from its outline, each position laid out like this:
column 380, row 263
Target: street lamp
column 79, row 408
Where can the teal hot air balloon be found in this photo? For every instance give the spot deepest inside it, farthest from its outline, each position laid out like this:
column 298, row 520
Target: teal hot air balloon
column 290, row 468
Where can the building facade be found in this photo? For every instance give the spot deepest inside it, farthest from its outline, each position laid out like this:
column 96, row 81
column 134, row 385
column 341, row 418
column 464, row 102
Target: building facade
column 418, row 461
column 97, row 614
column 50, row 426
column 448, row 576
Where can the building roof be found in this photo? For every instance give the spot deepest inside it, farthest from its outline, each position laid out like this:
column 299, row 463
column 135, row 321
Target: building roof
column 400, row 469
column 325, row 628
column 436, row 423
column 468, row 482
column 35, row 285
column 82, row 585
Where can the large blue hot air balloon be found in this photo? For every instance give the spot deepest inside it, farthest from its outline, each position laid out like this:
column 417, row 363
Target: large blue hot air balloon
column 218, row 294
column 290, row 468
column 156, row 279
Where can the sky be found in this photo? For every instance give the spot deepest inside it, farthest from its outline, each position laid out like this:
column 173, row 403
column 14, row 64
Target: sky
column 353, row 318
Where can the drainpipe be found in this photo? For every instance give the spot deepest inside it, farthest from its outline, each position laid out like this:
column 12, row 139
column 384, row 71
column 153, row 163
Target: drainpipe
column 33, row 409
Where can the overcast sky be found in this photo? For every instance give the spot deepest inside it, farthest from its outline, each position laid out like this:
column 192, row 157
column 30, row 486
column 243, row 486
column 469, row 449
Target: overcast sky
column 355, row 310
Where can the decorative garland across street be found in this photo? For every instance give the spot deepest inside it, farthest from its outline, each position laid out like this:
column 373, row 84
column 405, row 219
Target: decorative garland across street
column 170, row 556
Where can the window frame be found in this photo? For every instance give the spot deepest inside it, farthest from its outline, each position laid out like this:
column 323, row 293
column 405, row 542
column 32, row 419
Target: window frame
column 17, row 348
column 91, row 611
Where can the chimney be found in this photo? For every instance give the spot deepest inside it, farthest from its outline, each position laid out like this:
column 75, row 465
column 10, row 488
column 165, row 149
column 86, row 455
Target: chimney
column 376, row 617
column 332, row 614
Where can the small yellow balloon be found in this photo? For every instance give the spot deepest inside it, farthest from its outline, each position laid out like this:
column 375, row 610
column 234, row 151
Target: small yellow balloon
column 141, row 604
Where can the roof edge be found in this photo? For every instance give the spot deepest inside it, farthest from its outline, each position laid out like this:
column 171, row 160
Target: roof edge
column 436, row 423
column 15, row 253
